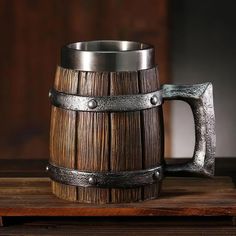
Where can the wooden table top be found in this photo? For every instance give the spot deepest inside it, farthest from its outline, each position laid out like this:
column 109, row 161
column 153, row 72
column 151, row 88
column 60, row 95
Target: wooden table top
column 180, row 197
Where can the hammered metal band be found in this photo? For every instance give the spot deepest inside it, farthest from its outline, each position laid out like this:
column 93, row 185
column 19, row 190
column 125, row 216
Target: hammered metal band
column 118, row 103
column 123, row 179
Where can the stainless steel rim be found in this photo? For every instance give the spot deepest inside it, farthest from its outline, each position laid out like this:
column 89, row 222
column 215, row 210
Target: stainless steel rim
column 122, row 179
column 107, row 55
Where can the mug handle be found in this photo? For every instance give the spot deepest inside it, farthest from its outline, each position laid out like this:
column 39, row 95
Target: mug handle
column 200, row 99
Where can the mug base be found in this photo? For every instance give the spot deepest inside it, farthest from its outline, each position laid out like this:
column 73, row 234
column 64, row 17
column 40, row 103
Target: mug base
column 106, row 196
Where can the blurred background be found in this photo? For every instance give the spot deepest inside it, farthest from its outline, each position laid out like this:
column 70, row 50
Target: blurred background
column 195, row 42
column 203, row 36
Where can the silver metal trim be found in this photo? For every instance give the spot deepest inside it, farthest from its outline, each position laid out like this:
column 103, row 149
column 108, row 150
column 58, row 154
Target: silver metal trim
column 118, row 103
column 107, row 55
column 122, row 179
column 200, row 99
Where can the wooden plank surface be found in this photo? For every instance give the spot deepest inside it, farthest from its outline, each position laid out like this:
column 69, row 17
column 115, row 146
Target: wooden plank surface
column 210, row 226
column 180, row 197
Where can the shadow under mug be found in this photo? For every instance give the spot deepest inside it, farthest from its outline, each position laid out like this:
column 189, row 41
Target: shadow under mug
column 106, row 139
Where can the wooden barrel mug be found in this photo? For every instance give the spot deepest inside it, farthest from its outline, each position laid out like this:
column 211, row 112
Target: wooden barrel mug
column 106, row 138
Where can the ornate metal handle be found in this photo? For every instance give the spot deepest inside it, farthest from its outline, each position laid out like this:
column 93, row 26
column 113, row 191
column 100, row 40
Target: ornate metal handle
column 200, row 99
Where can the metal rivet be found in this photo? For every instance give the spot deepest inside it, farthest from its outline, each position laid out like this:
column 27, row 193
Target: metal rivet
column 92, row 104
column 157, row 175
column 47, row 168
column 92, row 180
column 154, row 100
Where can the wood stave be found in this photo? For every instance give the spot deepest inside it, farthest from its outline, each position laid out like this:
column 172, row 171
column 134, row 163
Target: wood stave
column 133, row 157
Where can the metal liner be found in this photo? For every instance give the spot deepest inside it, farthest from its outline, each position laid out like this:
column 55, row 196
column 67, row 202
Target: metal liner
column 107, row 55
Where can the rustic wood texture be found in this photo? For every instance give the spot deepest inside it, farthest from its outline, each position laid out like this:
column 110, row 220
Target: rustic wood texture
column 138, row 226
column 180, row 197
column 34, row 32
column 152, row 131
column 63, row 132
column 126, row 146
column 117, row 141
column 93, row 150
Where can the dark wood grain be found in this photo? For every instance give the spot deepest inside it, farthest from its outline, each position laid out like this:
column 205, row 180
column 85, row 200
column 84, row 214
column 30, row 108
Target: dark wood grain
column 31, row 47
column 93, row 151
column 63, row 135
column 152, row 131
column 180, row 197
column 126, row 146
column 210, row 226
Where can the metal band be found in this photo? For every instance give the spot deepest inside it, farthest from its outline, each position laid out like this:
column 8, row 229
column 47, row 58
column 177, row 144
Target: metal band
column 106, row 103
column 123, row 179
column 108, row 55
